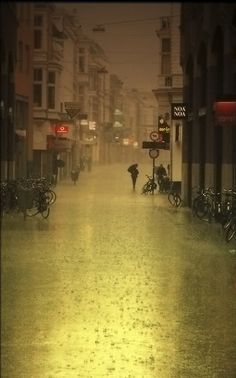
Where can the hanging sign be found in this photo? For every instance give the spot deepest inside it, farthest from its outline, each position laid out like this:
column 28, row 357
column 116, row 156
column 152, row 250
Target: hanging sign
column 178, row 111
column 72, row 108
column 61, row 129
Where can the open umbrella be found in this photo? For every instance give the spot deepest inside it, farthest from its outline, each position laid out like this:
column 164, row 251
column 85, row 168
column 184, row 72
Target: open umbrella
column 132, row 168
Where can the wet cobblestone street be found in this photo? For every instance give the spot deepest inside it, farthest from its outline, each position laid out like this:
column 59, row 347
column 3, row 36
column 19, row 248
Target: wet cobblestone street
column 116, row 284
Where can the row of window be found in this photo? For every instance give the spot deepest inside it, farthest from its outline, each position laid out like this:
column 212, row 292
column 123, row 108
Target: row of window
column 38, row 88
column 39, row 28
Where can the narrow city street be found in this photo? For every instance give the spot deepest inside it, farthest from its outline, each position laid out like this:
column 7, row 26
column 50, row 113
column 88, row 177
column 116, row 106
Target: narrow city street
column 116, row 284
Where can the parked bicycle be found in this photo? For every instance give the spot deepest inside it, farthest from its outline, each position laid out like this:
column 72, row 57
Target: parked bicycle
column 173, row 195
column 149, row 186
column 40, row 204
column 29, row 196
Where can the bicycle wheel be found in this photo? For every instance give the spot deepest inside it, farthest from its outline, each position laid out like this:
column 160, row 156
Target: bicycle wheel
column 144, row 189
column 201, row 208
column 45, row 213
column 50, row 196
column 171, row 198
column 231, row 231
column 177, row 199
column 34, row 210
column 225, row 223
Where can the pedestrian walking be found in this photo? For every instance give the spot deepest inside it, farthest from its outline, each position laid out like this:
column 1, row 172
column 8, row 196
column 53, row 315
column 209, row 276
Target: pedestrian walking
column 133, row 170
column 75, row 175
column 82, row 163
column 168, row 170
column 161, row 176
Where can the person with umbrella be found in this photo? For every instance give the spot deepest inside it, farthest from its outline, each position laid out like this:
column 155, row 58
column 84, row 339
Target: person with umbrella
column 133, row 170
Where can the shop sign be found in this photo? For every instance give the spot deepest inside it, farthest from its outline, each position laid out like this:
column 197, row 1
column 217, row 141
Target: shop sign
column 225, row 113
column 178, row 111
column 61, row 129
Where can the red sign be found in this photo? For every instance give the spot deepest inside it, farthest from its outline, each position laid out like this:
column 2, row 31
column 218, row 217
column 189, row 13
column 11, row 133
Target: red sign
column 61, row 129
column 225, row 113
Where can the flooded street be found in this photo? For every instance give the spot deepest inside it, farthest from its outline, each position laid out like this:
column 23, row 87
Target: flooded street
column 116, row 284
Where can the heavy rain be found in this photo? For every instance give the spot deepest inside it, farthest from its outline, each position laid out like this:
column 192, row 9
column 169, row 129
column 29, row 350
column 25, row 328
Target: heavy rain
column 118, row 190
column 116, row 284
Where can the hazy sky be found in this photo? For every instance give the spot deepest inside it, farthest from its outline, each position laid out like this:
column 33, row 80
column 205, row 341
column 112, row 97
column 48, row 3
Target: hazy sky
column 132, row 47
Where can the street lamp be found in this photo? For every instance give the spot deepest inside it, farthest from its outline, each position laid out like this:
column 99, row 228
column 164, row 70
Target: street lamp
column 103, row 71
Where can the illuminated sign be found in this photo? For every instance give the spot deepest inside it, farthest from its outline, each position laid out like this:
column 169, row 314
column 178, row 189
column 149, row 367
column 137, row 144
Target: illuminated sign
column 92, row 125
column 225, row 113
column 178, row 111
column 164, row 129
column 61, row 129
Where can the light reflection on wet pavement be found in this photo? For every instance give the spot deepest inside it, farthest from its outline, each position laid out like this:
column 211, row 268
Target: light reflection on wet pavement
column 116, row 284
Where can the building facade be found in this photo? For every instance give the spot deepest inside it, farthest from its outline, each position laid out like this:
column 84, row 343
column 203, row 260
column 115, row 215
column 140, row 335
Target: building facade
column 170, row 90
column 8, row 49
column 24, row 91
column 208, row 60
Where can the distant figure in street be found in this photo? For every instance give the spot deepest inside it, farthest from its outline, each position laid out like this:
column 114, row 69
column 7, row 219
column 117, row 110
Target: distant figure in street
column 133, row 170
column 54, row 174
column 75, row 175
column 89, row 163
column 161, row 177
column 168, row 170
column 82, row 163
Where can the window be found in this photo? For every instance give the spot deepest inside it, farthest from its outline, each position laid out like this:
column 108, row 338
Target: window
column 38, row 20
column 37, row 95
column 51, row 77
column 37, row 39
column 51, row 89
column 177, row 132
column 165, row 64
column 165, row 23
column 38, row 80
column 27, row 58
column 81, row 89
column 168, row 81
column 38, row 31
column 38, row 74
column 81, row 64
column 165, row 45
column 51, row 97
column 20, row 55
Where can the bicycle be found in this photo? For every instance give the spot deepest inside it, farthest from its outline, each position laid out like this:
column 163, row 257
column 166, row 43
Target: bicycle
column 149, row 186
column 41, row 203
column 201, row 203
column 173, row 196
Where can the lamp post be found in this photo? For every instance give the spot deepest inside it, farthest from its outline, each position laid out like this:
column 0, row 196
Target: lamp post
column 103, row 71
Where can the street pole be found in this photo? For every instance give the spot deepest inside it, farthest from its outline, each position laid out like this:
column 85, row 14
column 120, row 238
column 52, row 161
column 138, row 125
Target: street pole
column 103, row 71
column 153, row 174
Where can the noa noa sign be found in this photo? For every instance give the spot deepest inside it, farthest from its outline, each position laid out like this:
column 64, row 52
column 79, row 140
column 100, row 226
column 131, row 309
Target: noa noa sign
column 178, row 111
